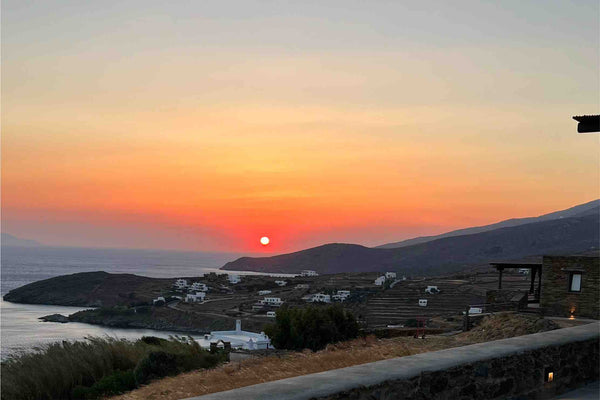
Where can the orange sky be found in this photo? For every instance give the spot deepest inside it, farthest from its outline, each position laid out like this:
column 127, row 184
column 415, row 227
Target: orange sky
column 180, row 145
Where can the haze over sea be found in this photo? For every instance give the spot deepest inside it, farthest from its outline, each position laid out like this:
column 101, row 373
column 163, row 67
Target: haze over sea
column 21, row 329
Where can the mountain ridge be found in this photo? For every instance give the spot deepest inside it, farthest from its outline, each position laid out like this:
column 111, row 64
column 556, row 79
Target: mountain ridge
column 559, row 236
column 566, row 213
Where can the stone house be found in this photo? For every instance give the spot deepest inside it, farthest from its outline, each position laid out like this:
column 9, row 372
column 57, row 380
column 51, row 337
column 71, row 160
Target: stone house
column 571, row 286
column 562, row 286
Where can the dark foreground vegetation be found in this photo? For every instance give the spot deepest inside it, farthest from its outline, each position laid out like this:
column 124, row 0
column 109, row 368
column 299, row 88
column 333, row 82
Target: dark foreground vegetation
column 99, row 367
column 311, row 328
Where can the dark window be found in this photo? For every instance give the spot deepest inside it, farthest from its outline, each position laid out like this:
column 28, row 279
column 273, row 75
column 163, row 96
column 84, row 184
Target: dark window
column 575, row 282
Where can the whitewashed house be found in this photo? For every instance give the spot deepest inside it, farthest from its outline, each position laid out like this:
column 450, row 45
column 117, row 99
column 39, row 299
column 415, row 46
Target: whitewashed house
column 341, row 295
column 181, row 284
column 432, row 290
column 239, row 338
column 308, row 272
column 281, row 283
column 156, row 300
column 233, row 279
column 272, row 301
column 390, row 275
column 271, row 314
column 302, row 286
column 263, row 292
column 199, row 287
column 423, row 302
column 195, row 298
column 380, row 281
column 320, row 298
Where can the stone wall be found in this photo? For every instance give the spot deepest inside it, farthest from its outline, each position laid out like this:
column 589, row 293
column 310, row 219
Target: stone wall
column 518, row 376
column 512, row 368
column 555, row 296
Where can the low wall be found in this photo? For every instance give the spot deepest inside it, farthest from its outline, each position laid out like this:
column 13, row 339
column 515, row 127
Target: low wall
column 508, row 368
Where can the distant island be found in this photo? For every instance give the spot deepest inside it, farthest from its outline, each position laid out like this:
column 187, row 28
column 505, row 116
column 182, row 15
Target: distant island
column 10, row 240
column 572, row 231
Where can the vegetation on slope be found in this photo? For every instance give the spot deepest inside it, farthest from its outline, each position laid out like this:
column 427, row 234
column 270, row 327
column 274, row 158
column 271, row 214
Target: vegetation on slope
column 98, row 367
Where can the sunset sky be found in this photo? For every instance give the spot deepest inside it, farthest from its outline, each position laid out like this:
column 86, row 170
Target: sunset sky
column 204, row 125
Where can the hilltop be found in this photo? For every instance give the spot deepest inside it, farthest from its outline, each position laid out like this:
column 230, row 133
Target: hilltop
column 576, row 211
column 89, row 289
column 446, row 255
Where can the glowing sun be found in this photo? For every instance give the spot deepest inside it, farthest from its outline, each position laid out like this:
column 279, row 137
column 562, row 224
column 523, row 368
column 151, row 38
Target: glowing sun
column 264, row 240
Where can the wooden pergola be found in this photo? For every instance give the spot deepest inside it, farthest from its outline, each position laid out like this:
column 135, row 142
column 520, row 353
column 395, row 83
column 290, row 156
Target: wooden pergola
column 587, row 123
column 534, row 267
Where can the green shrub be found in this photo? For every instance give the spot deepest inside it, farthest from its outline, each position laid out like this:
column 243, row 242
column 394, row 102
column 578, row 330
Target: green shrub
column 153, row 340
column 311, row 327
column 116, row 383
column 410, row 323
column 155, row 365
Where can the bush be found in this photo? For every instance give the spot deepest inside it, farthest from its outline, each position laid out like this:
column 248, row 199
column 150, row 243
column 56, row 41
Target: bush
column 155, row 365
column 116, row 383
column 411, row 323
column 153, row 340
column 311, row 327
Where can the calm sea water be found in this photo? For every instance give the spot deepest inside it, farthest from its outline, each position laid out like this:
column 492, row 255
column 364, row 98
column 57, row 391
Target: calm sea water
column 22, row 331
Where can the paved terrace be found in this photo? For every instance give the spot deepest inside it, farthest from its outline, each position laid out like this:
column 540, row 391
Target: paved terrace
column 330, row 383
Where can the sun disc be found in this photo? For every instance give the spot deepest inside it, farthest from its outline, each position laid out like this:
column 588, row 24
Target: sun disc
column 264, row 240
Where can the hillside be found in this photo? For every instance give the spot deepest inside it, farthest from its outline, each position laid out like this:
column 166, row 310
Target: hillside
column 559, row 236
column 579, row 210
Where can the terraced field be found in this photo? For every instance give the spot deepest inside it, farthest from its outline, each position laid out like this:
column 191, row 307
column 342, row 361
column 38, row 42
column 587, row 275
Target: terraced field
column 397, row 304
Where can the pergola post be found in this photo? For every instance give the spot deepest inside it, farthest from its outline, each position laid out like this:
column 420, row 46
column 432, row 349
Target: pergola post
column 539, row 291
column 500, row 269
column 532, row 286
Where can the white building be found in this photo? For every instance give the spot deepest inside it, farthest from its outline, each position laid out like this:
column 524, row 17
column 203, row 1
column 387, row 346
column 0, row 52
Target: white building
column 181, row 284
column 302, row 286
column 341, row 295
column 308, row 272
column 271, row 314
column 199, row 287
column 390, row 275
column 233, row 279
column 380, row 281
column 320, row 298
column 281, row 283
column 432, row 290
column 195, row 298
column 263, row 292
column 272, row 301
column 239, row 339
column 156, row 300
column 423, row 302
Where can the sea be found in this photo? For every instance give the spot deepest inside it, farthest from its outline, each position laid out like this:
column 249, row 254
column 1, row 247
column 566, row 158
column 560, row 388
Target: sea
column 21, row 330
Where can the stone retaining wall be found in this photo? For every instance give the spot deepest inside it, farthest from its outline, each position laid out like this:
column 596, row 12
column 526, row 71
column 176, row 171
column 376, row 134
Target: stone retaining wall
column 514, row 368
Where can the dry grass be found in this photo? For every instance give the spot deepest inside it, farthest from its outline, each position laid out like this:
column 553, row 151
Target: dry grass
column 358, row 351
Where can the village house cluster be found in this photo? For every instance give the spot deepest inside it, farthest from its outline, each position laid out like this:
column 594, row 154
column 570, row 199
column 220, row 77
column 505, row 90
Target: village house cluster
column 388, row 276
column 340, row 295
column 195, row 292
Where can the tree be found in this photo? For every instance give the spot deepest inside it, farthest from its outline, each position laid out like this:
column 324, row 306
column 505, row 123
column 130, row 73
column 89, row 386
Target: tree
column 311, row 327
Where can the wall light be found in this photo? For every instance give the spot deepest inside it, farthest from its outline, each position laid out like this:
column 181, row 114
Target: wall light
column 548, row 375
